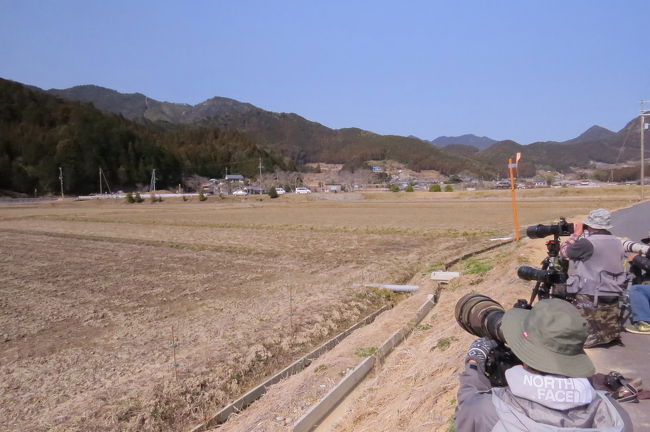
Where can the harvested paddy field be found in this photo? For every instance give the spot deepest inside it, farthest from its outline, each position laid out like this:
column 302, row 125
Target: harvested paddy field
column 152, row 316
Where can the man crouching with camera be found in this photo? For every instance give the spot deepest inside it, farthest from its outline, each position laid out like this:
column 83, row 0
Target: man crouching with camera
column 550, row 390
column 596, row 276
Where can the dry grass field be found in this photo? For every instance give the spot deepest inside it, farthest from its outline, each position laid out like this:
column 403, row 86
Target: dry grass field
column 91, row 292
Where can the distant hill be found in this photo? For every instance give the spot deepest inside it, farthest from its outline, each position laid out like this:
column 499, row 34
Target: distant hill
column 594, row 145
column 138, row 107
column 293, row 136
column 462, row 150
column 467, row 139
column 301, row 140
column 40, row 133
column 594, row 133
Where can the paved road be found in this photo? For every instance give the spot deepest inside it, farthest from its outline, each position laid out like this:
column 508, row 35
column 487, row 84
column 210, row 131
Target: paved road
column 631, row 358
column 633, row 222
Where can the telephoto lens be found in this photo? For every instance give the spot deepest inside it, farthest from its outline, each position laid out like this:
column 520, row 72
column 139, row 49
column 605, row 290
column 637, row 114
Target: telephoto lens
column 563, row 228
column 480, row 315
column 531, row 273
column 636, row 247
column 539, row 231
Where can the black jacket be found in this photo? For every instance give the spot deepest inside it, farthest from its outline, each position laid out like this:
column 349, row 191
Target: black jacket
column 640, row 268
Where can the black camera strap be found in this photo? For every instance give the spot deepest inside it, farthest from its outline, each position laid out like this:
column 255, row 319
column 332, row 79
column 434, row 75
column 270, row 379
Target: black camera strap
column 622, row 389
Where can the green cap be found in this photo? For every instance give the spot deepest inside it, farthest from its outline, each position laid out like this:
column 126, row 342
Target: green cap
column 550, row 337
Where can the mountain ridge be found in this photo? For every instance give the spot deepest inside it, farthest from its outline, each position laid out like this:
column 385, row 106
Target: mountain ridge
column 480, row 142
column 297, row 138
column 303, row 140
column 40, row 132
column 592, row 134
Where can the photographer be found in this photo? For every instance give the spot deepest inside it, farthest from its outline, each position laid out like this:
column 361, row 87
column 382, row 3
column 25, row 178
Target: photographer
column 596, row 277
column 640, row 292
column 550, row 391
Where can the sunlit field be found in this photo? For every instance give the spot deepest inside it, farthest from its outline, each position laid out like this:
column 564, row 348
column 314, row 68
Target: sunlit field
column 119, row 316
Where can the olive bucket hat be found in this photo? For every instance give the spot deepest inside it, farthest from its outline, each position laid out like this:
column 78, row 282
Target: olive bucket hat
column 549, row 337
column 599, row 219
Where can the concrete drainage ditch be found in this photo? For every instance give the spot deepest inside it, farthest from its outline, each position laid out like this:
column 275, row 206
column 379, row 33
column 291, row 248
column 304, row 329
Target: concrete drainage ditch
column 323, row 407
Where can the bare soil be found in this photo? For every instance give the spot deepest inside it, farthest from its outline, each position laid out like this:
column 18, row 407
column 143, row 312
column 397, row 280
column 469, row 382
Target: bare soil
column 91, row 292
column 414, row 389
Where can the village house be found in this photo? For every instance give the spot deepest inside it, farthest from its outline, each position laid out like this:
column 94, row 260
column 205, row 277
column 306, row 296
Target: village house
column 225, row 186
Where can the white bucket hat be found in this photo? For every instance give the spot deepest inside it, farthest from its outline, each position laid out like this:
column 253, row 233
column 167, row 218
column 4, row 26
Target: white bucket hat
column 599, row 219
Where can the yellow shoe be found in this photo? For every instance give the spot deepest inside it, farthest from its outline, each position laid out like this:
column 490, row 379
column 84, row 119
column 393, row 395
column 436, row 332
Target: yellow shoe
column 641, row 327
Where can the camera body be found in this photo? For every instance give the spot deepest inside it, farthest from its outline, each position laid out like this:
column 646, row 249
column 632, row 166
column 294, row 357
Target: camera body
column 551, row 278
column 481, row 316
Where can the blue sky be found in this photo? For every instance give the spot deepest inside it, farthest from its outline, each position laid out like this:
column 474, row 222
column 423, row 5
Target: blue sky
column 522, row 70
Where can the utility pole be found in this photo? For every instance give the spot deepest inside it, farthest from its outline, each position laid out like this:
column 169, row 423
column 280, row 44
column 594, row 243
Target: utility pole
column 260, row 167
column 644, row 112
column 61, row 180
column 100, row 181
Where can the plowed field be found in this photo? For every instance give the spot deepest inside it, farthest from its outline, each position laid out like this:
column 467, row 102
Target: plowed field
column 152, row 316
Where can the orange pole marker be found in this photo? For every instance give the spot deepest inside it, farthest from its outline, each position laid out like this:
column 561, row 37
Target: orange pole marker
column 511, row 168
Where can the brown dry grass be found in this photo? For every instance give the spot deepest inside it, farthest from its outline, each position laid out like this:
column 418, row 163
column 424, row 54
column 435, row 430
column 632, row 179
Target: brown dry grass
column 416, row 388
column 91, row 290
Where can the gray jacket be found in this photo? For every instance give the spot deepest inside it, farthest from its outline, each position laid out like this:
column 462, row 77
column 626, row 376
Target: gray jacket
column 535, row 403
column 596, row 266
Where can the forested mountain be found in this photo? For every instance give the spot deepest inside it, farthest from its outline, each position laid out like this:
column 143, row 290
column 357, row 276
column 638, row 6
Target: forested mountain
column 305, row 141
column 594, row 133
column 138, row 107
column 462, row 150
column 480, row 143
column 40, row 132
column 619, row 147
column 295, row 137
